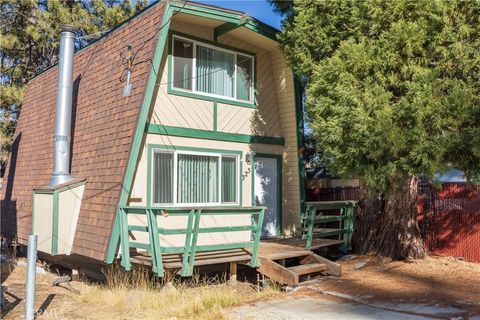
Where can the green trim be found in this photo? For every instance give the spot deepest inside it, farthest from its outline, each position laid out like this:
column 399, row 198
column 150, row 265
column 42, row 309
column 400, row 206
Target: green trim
column 262, row 28
column 279, row 159
column 150, row 148
column 212, row 135
column 215, row 115
column 112, row 249
column 225, row 28
column 196, row 95
column 140, row 127
column 55, row 224
column 193, row 95
column 300, row 140
column 228, row 16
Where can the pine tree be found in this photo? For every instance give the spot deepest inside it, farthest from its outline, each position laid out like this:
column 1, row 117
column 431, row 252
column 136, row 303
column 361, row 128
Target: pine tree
column 29, row 40
column 392, row 95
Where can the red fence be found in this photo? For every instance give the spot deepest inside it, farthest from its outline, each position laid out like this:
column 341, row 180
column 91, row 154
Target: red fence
column 449, row 217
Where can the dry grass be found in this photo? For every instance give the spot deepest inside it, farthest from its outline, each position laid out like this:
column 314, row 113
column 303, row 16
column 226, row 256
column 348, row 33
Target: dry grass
column 134, row 295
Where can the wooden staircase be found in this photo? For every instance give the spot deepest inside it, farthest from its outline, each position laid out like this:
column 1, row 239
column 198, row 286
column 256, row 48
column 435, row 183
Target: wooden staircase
column 290, row 265
column 320, row 221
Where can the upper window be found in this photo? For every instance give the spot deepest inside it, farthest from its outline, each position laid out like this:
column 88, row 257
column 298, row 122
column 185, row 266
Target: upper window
column 212, row 71
column 194, row 178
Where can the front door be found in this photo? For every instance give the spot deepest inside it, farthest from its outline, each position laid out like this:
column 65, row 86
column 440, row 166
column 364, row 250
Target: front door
column 267, row 191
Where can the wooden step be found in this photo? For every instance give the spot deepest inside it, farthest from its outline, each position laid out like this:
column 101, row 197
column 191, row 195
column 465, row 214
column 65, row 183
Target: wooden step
column 308, row 268
column 331, row 267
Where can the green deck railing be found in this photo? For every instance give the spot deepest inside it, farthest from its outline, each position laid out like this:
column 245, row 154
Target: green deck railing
column 314, row 215
column 191, row 231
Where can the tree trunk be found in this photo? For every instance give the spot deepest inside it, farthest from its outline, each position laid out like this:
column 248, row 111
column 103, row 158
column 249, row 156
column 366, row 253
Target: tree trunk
column 388, row 223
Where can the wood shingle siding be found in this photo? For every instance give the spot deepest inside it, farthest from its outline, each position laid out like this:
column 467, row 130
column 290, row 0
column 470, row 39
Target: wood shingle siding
column 103, row 125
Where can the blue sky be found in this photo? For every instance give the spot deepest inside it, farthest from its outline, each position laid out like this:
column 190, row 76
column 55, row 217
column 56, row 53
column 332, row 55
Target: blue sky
column 259, row 9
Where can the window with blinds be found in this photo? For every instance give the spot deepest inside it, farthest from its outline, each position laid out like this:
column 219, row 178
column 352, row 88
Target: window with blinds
column 195, row 178
column 212, row 71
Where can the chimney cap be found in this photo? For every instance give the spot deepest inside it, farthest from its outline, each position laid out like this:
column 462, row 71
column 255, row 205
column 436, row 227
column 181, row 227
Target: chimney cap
column 68, row 28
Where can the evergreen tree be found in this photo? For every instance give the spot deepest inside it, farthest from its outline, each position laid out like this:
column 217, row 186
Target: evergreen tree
column 29, row 40
column 392, row 94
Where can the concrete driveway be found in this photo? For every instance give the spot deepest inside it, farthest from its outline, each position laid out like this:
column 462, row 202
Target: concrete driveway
column 312, row 308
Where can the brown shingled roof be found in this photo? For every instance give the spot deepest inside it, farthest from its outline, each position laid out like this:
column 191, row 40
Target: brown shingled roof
column 102, row 133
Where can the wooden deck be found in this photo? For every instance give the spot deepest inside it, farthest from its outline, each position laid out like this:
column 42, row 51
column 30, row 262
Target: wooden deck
column 173, row 261
column 272, row 256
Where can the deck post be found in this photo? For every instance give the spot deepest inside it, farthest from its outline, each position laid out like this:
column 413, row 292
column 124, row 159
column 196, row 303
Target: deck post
column 188, row 243
column 233, row 272
column 349, row 226
column 311, row 211
column 125, row 242
column 154, row 236
column 193, row 249
column 258, row 231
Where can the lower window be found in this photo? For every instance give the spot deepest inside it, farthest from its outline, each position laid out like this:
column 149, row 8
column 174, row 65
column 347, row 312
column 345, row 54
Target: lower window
column 194, row 178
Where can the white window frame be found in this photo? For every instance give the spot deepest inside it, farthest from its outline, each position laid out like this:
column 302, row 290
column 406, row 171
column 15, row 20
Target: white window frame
column 175, row 202
column 194, row 70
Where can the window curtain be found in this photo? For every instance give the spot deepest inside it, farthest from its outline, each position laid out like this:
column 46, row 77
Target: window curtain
column 215, row 71
column 197, row 179
column 229, row 181
column 163, row 178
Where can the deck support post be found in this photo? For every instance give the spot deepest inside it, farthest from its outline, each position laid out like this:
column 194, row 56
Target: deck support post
column 311, row 212
column 186, row 270
column 233, row 273
column 258, row 231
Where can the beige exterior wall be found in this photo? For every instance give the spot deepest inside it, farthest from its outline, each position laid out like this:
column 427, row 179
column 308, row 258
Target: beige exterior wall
column 69, row 202
column 43, row 220
column 274, row 115
column 284, row 89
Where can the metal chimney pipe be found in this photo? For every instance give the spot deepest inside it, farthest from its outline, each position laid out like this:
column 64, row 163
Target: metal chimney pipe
column 63, row 112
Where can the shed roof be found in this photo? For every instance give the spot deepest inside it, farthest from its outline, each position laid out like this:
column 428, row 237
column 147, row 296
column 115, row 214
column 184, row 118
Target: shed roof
column 103, row 124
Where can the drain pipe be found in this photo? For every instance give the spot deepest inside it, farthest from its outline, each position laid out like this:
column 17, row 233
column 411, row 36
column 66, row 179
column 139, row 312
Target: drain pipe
column 63, row 112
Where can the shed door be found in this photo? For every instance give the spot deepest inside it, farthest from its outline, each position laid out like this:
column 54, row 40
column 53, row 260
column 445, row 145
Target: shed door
column 267, row 191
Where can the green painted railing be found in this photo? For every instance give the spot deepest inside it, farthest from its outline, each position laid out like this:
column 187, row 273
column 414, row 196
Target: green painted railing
column 315, row 215
column 191, row 231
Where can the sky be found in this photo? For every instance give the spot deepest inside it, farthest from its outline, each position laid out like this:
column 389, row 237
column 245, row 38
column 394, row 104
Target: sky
column 259, row 9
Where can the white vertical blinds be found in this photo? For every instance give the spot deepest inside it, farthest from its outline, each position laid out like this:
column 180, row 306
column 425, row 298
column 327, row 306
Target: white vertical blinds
column 209, row 70
column 215, row 71
column 200, row 178
column 163, row 177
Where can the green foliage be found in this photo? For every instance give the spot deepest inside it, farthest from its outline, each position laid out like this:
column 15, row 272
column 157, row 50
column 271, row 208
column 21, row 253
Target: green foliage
column 393, row 87
column 29, row 43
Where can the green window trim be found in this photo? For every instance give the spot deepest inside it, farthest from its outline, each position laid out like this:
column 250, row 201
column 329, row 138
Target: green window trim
column 193, row 93
column 226, row 153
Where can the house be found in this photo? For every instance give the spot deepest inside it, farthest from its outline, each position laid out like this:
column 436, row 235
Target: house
column 183, row 110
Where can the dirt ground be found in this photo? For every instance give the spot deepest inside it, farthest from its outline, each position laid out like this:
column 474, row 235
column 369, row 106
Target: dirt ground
column 434, row 281
column 439, row 281
column 443, row 279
